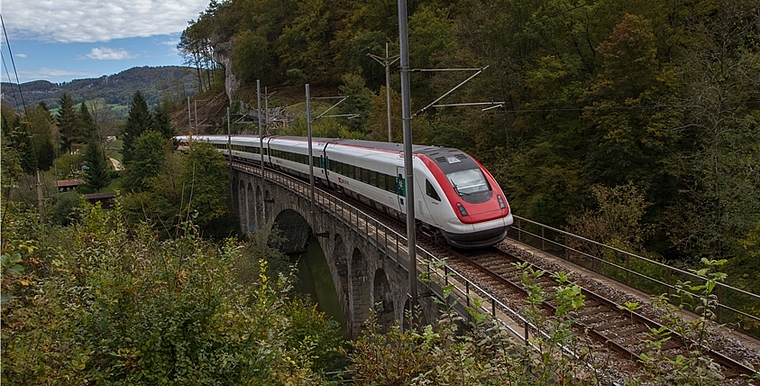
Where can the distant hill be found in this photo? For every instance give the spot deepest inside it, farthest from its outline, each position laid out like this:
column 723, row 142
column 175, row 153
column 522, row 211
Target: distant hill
column 155, row 83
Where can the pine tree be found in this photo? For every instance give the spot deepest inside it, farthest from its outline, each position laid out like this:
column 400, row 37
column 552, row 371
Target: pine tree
column 147, row 162
column 98, row 174
column 88, row 127
column 162, row 121
column 138, row 123
column 41, row 127
column 68, row 122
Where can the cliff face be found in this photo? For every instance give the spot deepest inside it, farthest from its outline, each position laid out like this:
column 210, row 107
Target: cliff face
column 223, row 55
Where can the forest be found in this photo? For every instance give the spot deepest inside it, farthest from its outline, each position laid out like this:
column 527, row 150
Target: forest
column 631, row 122
column 115, row 91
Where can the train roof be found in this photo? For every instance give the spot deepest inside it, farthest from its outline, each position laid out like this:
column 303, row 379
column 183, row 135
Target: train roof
column 447, row 158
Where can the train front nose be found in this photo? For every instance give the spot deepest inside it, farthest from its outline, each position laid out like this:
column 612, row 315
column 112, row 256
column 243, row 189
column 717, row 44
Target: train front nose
column 480, row 235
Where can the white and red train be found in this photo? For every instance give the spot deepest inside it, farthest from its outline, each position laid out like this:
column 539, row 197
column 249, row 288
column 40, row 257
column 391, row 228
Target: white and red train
column 457, row 198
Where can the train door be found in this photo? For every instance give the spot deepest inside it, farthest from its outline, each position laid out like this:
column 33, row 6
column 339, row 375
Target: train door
column 401, row 188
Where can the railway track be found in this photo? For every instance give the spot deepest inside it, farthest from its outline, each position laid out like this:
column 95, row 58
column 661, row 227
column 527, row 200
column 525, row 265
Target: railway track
column 622, row 331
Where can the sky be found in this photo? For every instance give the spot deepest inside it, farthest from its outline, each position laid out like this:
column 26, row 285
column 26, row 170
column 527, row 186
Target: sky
column 63, row 40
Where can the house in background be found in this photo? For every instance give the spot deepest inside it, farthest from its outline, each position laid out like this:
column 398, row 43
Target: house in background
column 68, row 185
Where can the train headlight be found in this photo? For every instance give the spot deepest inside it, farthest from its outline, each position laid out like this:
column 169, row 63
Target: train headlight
column 502, row 205
column 462, row 210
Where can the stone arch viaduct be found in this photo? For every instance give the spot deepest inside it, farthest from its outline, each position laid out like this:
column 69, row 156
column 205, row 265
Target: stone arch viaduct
column 367, row 261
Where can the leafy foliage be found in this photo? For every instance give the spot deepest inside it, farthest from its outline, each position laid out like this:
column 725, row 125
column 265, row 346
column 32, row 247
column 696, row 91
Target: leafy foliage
column 165, row 187
column 107, row 304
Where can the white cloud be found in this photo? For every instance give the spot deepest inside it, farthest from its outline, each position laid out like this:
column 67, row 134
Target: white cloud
column 69, row 21
column 20, row 55
column 55, row 74
column 105, row 53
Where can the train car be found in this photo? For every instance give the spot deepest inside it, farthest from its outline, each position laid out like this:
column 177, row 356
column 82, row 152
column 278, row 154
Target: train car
column 456, row 197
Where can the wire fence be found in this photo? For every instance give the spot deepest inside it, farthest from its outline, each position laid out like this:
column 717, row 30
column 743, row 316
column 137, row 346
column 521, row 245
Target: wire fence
column 736, row 309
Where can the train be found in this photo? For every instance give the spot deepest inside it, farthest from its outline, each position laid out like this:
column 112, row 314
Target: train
column 458, row 200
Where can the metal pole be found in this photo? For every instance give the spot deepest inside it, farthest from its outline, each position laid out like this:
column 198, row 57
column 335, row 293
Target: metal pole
column 311, row 159
column 386, row 62
column 189, row 116
column 229, row 153
column 388, row 91
column 40, row 207
column 406, row 115
column 261, row 137
column 195, row 106
column 266, row 109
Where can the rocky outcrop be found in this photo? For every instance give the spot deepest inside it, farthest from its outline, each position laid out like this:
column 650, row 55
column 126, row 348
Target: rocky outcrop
column 223, row 56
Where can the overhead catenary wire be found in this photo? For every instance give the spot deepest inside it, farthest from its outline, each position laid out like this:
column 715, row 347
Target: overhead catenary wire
column 13, row 62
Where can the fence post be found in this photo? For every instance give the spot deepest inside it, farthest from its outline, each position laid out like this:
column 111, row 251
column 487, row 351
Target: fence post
column 667, row 278
column 519, row 230
column 543, row 239
column 720, row 303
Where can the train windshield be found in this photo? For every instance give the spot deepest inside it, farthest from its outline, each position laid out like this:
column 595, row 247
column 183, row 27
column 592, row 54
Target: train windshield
column 468, row 181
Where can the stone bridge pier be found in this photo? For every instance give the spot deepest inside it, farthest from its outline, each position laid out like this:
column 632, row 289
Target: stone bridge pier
column 364, row 276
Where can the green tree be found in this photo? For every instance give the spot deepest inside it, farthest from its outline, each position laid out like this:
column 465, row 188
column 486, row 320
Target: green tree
column 627, row 137
column 716, row 164
column 41, row 127
column 205, row 181
column 88, row 126
column 138, row 122
column 97, row 175
column 149, row 152
column 162, row 122
column 68, row 122
column 359, row 101
column 304, row 46
column 25, row 147
column 251, row 59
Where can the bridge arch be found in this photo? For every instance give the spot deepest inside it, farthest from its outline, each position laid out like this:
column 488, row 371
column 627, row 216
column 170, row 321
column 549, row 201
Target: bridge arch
column 294, row 231
column 383, row 299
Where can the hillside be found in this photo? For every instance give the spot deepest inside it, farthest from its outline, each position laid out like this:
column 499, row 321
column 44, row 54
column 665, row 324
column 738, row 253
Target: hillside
column 155, row 83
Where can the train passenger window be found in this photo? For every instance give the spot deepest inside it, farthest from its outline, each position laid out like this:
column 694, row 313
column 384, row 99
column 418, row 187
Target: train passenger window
column 390, row 183
column 381, row 181
column 365, row 176
column 373, row 178
column 430, row 191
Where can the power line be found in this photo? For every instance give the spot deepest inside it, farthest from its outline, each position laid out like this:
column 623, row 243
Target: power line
column 13, row 62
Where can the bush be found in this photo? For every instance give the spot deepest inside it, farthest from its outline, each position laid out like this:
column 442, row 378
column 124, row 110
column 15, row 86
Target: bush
column 116, row 305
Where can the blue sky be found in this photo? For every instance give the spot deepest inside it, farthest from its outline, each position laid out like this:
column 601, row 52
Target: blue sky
column 63, row 40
